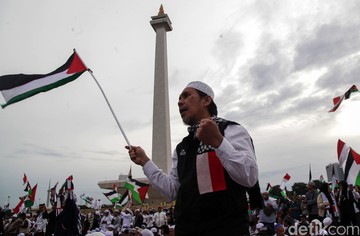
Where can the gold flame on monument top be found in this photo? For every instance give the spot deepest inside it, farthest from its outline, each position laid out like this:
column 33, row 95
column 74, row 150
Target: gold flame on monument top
column 161, row 11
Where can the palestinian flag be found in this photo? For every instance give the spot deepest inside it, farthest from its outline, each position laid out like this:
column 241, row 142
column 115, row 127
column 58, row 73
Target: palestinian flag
column 352, row 168
column 338, row 100
column 17, row 87
column 67, row 185
column 342, row 151
column 138, row 189
column 53, row 194
column 270, row 190
column 113, row 196
column 30, row 198
column 87, row 199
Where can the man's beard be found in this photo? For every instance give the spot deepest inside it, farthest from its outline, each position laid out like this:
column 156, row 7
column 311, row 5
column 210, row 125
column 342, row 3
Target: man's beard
column 189, row 121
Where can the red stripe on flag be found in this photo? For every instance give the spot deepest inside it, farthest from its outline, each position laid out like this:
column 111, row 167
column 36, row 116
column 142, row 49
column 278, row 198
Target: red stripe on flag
column 336, row 100
column 216, row 172
column 142, row 192
column 340, row 147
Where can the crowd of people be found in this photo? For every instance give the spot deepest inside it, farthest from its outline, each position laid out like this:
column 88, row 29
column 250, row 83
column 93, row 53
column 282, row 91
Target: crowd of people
column 109, row 222
column 28, row 223
column 321, row 211
column 318, row 212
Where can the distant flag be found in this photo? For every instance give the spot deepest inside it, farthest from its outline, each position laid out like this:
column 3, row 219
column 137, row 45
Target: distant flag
column 30, row 199
column 352, row 168
column 286, row 178
column 69, row 183
column 113, row 196
column 88, row 200
column 20, row 206
column 53, row 194
column 25, row 180
column 17, row 87
column 338, row 100
column 138, row 189
column 269, row 189
column 342, row 151
column 310, row 176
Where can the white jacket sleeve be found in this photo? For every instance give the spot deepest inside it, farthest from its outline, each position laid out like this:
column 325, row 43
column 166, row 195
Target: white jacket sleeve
column 237, row 155
column 167, row 184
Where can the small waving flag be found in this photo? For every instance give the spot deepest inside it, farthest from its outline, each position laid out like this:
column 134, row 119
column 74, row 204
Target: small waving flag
column 338, row 100
column 138, row 189
column 88, row 200
column 67, row 186
column 69, row 183
column 53, row 194
column 17, row 87
column 30, row 198
column 113, row 196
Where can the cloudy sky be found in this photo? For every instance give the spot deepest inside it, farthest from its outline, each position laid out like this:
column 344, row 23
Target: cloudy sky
column 275, row 67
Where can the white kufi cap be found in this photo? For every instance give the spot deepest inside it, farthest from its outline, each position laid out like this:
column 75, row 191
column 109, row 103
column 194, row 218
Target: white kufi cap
column 201, row 86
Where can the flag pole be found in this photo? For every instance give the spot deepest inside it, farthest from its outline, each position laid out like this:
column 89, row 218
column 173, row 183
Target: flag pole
column 107, row 101
column 48, row 194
